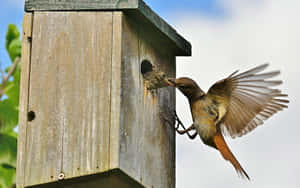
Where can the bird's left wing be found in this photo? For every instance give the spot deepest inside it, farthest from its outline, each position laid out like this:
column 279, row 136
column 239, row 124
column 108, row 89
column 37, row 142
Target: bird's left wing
column 250, row 99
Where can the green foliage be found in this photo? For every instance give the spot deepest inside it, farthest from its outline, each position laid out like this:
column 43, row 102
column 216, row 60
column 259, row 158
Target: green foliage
column 9, row 111
column 8, row 150
column 8, row 176
column 8, row 116
column 13, row 87
column 13, row 44
column 8, row 154
column 9, row 106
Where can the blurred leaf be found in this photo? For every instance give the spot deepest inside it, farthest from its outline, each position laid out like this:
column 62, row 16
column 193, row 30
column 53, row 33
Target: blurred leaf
column 12, row 89
column 13, row 42
column 12, row 134
column 8, row 155
column 8, row 150
column 11, row 34
column 9, row 112
column 8, row 176
column 14, row 49
column 8, row 115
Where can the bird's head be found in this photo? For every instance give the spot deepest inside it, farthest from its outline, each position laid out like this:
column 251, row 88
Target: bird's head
column 187, row 86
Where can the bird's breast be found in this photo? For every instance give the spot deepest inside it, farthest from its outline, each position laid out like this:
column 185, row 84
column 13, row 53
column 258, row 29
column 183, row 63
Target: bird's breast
column 205, row 127
column 205, row 130
column 221, row 112
column 204, row 120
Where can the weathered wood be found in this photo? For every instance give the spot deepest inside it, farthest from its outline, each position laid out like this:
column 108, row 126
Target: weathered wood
column 159, row 132
column 80, row 4
column 146, row 138
column 115, row 112
column 44, row 142
column 111, row 179
column 93, row 112
column 24, row 95
column 88, row 113
column 131, row 114
column 70, row 93
column 137, row 8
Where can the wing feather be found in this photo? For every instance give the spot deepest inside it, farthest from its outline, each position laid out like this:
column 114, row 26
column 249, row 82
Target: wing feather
column 252, row 99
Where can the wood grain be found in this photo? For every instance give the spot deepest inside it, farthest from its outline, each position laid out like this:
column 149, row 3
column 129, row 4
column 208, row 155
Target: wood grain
column 43, row 149
column 116, row 90
column 158, row 143
column 70, row 94
column 93, row 111
column 24, row 95
column 131, row 114
column 89, row 98
column 147, row 142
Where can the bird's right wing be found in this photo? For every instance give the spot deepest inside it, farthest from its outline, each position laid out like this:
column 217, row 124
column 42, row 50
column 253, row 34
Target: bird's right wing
column 251, row 99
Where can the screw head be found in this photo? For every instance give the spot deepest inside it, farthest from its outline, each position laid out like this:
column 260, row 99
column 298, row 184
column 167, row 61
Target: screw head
column 61, row 176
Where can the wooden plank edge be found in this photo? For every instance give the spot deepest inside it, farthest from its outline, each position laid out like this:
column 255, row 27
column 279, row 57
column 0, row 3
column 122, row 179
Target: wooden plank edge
column 24, row 97
column 116, row 89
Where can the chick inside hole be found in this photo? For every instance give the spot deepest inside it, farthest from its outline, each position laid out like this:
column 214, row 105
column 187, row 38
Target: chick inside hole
column 153, row 78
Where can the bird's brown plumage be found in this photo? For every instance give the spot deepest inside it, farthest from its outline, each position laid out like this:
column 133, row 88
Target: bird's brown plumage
column 252, row 91
column 235, row 105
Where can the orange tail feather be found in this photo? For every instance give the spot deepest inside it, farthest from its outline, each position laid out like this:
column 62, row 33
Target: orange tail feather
column 227, row 154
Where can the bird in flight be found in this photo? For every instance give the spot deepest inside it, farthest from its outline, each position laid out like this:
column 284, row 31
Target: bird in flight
column 235, row 105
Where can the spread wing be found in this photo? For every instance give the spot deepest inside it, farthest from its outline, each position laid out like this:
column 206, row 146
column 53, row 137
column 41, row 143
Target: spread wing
column 250, row 98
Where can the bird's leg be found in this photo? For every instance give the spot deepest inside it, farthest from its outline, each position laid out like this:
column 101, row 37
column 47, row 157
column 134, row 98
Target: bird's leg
column 192, row 127
column 193, row 136
column 184, row 131
column 187, row 131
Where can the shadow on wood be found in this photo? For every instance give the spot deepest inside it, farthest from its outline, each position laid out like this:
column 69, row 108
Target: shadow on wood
column 111, row 179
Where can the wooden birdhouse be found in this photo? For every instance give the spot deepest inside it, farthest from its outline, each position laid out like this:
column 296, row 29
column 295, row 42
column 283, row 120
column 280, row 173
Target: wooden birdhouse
column 87, row 117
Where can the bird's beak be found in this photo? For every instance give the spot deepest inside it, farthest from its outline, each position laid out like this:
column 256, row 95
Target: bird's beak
column 171, row 82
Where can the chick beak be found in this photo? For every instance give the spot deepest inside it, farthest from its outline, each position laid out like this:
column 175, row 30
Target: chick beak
column 171, row 82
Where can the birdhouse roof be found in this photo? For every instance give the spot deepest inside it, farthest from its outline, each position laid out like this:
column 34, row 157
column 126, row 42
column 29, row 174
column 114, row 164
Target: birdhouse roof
column 137, row 9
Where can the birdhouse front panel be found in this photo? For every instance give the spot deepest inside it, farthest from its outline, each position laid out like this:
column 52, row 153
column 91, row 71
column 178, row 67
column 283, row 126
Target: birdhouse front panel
column 70, row 94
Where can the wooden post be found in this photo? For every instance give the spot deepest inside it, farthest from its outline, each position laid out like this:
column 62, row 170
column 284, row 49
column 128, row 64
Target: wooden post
column 86, row 116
